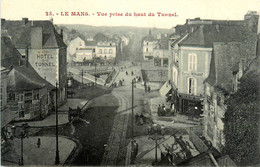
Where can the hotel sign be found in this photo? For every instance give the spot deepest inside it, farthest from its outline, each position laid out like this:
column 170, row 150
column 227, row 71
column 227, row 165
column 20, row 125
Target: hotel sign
column 198, row 74
column 44, row 58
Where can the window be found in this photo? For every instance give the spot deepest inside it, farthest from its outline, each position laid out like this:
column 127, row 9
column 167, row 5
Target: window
column 192, row 86
column 94, row 50
column 146, row 49
column 110, row 51
column 218, row 100
column 105, row 51
column 192, row 62
column 100, row 50
column 11, row 96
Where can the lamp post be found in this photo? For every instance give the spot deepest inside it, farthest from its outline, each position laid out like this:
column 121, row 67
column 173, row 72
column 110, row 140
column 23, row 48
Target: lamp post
column 57, row 158
column 23, row 133
column 133, row 84
column 156, row 132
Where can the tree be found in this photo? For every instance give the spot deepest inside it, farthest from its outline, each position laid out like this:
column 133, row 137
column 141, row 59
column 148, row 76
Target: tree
column 241, row 121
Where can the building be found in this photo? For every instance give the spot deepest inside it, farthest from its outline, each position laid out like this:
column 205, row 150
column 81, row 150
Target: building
column 106, row 47
column 3, row 97
column 148, row 44
column 84, row 56
column 192, row 50
column 26, row 92
column 161, row 51
column 228, row 64
column 29, row 94
column 74, row 45
column 40, row 44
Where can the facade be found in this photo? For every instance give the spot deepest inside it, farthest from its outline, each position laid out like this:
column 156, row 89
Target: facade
column 223, row 81
column 3, row 93
column 106, row 50
column 74, row 44
column 40, row 44
column 148, row 44
column 84, row 55
column 29, row 94
column 161, row 52
column 191, row 54
column 23, row 90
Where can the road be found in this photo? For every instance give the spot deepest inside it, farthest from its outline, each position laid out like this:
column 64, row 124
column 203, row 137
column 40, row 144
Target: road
column 118, row 133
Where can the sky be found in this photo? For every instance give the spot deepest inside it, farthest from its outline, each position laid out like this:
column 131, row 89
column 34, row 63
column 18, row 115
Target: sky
column 180, row 10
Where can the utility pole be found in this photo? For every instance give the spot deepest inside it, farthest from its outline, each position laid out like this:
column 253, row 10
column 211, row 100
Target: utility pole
column 57, row 158
column 82, row 74
column 95, row 72
column 132, row 109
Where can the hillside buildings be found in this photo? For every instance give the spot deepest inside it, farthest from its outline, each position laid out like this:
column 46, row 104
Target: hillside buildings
column 102, row 48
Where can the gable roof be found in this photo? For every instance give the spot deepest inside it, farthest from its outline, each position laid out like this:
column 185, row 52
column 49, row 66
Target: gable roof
column 224, row 60
column 206, row 35
column 163, row 43
column 20, row 33
column 25, row 78
column 10, row 56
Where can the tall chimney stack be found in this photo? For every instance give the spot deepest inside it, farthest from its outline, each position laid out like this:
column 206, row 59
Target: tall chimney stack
column 61, row 33
column 27, row 56
column 25, row 20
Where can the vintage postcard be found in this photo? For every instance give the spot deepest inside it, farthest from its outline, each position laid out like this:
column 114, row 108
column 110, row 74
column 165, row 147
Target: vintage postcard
column 130, row 82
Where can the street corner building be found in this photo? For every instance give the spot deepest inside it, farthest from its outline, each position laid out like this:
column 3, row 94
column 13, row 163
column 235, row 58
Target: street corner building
column 25, row 94
column 42, row 46
column 208, row 57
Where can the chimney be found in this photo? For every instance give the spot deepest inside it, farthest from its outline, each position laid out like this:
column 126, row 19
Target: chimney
column 191, row 29
column 36, row 38
column 51, row 19
column 25, row 20
column 2, row 21
column 27, row 56
column 61, row 33
column 241, row 68
column 217, row 28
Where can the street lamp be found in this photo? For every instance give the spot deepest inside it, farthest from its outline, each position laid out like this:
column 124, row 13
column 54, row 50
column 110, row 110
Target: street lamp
column 22, row 133
column 133, row 85
column 57, row 158
column 156, row 132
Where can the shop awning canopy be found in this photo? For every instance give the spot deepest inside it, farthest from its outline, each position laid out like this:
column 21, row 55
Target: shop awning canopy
column 165, row 89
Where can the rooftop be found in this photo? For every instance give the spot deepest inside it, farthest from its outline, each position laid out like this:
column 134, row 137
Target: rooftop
column 20, row 32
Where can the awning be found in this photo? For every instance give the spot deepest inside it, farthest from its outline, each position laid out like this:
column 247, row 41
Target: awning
column 7, row 116
column 165, row 89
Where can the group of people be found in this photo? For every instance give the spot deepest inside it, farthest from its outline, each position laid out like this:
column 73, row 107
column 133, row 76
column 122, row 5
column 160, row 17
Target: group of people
column 139, row 119
column 161, row 111
column 120, row 83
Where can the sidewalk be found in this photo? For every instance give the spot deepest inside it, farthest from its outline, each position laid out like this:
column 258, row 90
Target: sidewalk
column 146, row 150
column 62, row 115
column 175, row 121
column 32, row 155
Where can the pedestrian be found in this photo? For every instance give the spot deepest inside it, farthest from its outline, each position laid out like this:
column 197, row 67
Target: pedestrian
column 135, row 148
column 136, row 118
column 132, row 73
column 141, row 119
column 163, row 109
column 172, row 109
column 126, row 73
column 145, row 88
column 149, row 88
column 39, row 142
column 159, row 110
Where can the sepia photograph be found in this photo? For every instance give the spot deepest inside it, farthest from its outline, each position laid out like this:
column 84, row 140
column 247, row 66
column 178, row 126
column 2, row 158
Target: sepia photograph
column 130, row 83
